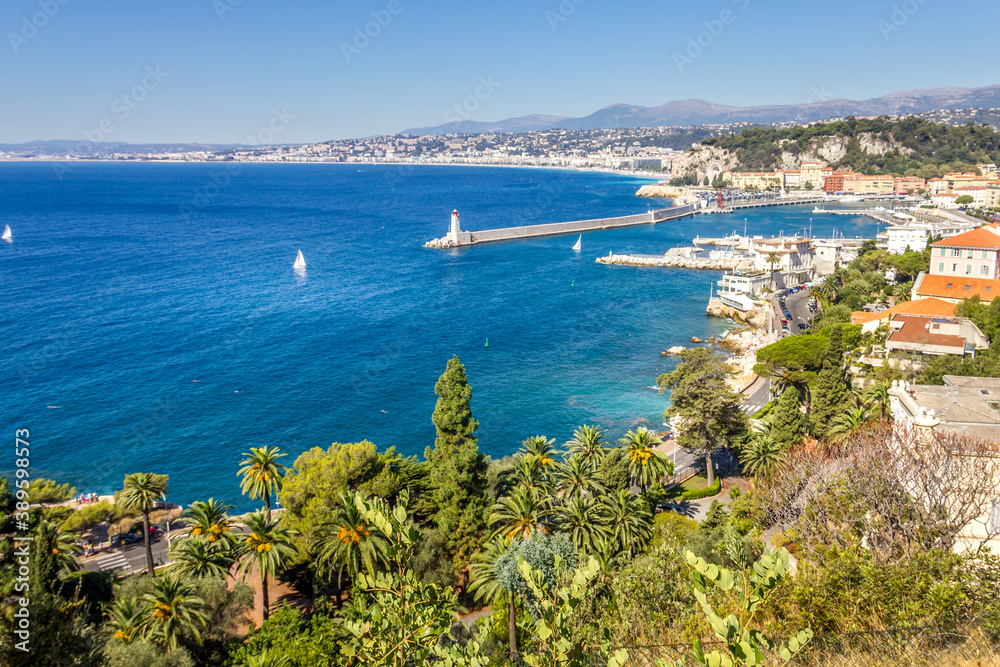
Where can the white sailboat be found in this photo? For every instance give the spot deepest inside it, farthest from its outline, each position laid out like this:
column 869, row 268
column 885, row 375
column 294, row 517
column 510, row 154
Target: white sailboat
column 300, row 261
column 6, row 233
column 578, row 243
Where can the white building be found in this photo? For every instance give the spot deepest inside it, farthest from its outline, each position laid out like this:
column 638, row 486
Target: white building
column 915, row 234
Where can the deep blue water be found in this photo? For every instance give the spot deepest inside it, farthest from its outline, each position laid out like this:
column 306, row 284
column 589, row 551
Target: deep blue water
column 151, row 319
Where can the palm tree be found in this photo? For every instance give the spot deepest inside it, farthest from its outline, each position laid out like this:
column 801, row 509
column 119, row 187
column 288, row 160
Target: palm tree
column 261, row 474
column 140, row 492
column 268, row 547
column 585, row 521
column 628, row 520
column 201, row 558
column 527, row 472
column 849, row 422
column 646, row 464
column 61, row 545
column 520, row 513
column 174, row 610
column 761, row 454
column 125, row 619
column 210, row 519
column 577, row 477
column 346, row 543
column 588, row 442
column 267, row 659
column 541, row 449
column 877, row 396
column 830, row 287
column 772, row 259
column 485, row 585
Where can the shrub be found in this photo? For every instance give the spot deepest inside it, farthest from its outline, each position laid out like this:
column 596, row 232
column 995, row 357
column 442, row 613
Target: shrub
column 707, row 492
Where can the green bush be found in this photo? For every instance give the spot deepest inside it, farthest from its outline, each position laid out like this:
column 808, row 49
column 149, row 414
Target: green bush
column 707, row 492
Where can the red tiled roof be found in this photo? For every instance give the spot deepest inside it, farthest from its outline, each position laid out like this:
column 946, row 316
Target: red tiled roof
column 976, row 238
column 913, row 331
column 957, row 287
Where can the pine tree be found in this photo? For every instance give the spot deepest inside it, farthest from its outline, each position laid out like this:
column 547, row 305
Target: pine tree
column 832, row 395
column 457, row 481
column 788, row 424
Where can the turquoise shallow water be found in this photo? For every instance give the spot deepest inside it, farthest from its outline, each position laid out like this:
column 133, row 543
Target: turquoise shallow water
column 154, row 308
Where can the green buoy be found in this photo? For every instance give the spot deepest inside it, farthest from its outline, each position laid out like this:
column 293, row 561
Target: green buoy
column 574, row 284
column 487, row 343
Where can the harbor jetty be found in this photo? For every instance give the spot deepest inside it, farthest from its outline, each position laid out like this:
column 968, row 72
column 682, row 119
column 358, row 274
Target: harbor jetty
column 458, row 237
column 678, row 261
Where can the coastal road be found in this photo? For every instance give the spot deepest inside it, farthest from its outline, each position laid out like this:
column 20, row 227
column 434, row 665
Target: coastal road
column 798, row 305
column 757, row 395
column 128, row 560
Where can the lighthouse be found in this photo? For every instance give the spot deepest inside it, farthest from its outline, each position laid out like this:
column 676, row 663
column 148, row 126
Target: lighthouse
column 455, row 234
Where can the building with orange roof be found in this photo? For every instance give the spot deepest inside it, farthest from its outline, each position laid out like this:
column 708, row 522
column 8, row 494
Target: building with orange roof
column 955, row 288
column 922, row 334
column 972, row 254
column 929, row 307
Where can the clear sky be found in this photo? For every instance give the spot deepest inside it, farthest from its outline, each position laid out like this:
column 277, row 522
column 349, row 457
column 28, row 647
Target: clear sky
column 225, row 66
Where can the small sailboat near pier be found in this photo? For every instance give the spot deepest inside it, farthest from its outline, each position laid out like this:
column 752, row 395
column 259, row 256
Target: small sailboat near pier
column 300, row 262
column 578, row 244
column 7, row 236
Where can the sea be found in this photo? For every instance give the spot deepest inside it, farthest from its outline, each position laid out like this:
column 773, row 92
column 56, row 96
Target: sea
column 151, row 319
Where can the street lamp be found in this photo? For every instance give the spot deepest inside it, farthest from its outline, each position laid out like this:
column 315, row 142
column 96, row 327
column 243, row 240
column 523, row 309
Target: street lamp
column 166, row 516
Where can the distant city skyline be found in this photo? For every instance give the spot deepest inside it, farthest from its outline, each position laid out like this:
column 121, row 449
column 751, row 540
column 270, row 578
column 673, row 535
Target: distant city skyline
column 233, row 71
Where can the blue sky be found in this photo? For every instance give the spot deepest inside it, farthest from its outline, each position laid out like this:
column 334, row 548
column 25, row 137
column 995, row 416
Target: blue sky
column 223, row 67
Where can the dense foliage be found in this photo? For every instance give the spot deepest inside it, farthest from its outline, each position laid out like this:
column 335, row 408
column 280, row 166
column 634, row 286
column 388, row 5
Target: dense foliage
column 920, row 147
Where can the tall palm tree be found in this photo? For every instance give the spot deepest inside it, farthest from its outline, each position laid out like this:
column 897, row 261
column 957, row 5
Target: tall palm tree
column 210, row 519
column 588, row 442
column 261, row 474
column 761, row 454
column 628, row 520
column 541, row 449
column 576, row 477
column 173, row 610
column 268, row 548
column 877, row 396
column 520, row 513
column 140, row 493
column 347, row 544
column 200, row 558
column 772, row 259
column 646, row 464
column 585, row 521
column 126, row 618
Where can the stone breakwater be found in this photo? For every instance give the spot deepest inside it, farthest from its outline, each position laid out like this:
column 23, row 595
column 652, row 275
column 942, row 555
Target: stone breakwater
column 727, row 264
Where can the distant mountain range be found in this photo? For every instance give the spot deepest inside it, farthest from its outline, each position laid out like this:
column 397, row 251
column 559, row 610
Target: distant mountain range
column 700, row 112
column 104, row 147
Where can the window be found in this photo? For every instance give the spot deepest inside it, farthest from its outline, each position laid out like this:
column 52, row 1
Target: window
column 949, row 285
column 968, row 269
column 994, row 524
column 984, row 256
column 940, row 267
column 954, row 267
column 956, row 252
column 968, row 287
column 984, row 270
column 970, row 254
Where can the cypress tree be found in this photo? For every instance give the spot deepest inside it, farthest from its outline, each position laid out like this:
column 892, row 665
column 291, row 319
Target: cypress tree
column 832, row 395
column 457, row 482
column 787, row 427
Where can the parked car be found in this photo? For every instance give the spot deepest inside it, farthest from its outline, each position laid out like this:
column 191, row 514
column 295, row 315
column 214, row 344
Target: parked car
column 802, row 326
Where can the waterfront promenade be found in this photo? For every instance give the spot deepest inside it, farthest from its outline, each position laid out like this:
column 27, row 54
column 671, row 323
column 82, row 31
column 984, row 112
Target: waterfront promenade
column 555, row 228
